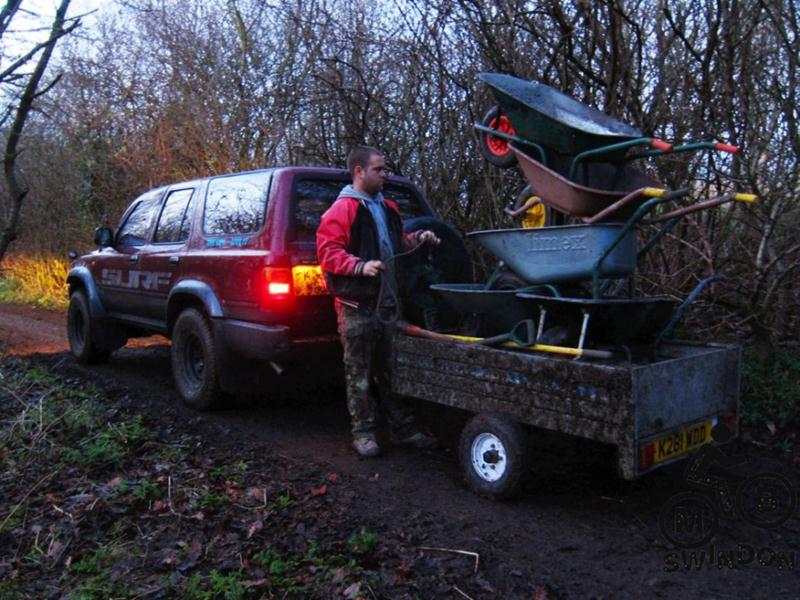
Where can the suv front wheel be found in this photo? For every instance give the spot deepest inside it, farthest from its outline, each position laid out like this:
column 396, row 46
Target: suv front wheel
column 194, row 361
column 79, row 331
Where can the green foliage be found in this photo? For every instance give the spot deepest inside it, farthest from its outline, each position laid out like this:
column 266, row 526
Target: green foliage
column 210, row 500
column 284, row 501
column 147, row 490
column 109, row 444
column 91, row 564
column 362, row 542
column 771, row 389
column 216, row 586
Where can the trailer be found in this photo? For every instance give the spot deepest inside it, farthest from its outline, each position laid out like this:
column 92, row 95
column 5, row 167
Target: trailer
column 655, row 412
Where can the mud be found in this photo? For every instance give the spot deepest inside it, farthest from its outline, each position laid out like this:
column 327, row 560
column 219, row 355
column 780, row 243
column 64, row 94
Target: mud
column 576, row 530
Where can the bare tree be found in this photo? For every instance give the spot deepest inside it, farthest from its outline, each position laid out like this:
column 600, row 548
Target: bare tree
column 21, row 107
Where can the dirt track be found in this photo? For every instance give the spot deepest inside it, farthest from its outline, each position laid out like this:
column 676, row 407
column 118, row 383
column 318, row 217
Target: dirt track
column 575, row 528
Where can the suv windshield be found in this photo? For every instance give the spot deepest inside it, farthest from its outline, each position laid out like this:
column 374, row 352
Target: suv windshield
column 312, row 197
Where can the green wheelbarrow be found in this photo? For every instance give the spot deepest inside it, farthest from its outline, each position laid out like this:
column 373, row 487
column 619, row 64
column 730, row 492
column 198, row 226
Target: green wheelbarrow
column 551, row 124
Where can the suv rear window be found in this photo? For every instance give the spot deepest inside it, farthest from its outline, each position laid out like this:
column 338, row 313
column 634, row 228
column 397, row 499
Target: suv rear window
column 314, row 196
column 236, row 204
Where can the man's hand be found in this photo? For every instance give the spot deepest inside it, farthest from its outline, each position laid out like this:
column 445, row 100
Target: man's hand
column 428, row 236
column 372, row 268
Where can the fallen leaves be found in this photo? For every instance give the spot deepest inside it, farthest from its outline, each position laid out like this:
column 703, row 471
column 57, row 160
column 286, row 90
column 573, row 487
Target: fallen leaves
column 254, row 528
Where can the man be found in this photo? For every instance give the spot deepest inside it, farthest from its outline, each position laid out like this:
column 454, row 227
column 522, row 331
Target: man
column 357, row 241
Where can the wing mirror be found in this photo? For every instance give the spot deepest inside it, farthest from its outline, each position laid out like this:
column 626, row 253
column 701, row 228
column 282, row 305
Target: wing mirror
column 103, row 237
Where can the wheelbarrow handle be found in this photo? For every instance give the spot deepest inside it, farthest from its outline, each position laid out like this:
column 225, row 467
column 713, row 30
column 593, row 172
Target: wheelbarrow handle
column 524, row 338
column 532, row 201
column 659, row 145
column 723, row 199
column 685, row 304
column 647, row 192
column 630, row 224
column 688, row 147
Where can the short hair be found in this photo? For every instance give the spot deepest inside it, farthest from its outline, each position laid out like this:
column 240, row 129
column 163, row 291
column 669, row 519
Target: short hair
column 360, row 156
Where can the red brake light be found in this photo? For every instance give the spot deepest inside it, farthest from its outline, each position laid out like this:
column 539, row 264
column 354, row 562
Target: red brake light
column 275, row 288
column 646, row 456
column 276, row 285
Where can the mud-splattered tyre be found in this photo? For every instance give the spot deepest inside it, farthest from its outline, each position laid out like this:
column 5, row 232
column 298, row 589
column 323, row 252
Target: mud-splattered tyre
column 194, row 361
column 496, row 149
column 79, row 332
column 493, row 453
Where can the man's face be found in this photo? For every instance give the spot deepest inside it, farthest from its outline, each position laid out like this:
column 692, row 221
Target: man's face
column 373, row 175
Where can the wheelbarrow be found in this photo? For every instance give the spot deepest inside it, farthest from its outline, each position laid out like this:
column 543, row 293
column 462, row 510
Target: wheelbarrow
column 547, row 121
column 614, row 192
column 639, row 320
column 486, row 311
column 594, row 251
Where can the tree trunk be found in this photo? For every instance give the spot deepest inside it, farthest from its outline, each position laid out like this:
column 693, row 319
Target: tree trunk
column 17, row 189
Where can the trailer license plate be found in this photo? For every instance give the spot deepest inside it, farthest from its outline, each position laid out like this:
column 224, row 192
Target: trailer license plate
column 681, row 441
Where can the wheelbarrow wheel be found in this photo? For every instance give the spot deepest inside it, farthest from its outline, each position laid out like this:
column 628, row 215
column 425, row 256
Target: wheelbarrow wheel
column 538, row 215
column 493, row 453
column 496, row 149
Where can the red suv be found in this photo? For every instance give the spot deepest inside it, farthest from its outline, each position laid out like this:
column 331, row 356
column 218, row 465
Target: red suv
column 227, row 268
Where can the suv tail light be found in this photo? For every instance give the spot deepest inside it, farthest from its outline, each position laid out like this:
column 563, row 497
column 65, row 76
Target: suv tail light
column 307, row 280
column 279, row 285
column 276, row 286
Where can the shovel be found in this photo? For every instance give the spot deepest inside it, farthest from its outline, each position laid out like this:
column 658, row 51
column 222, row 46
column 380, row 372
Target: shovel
column 512, row 339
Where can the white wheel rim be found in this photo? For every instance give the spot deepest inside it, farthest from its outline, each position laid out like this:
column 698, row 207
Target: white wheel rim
column 489, row 457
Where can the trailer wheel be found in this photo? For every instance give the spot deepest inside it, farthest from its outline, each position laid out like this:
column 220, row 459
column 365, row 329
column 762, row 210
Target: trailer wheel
column 493, row 453
column 496, row 149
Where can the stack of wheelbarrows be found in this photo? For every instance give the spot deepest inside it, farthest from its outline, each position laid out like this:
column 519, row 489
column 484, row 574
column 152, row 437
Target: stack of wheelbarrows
column 566, row 288
column 570, row 289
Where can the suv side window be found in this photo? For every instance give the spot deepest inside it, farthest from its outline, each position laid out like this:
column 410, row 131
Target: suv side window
column 236, row 204
column 314, row 196
column 175, row 221
column 136, row 227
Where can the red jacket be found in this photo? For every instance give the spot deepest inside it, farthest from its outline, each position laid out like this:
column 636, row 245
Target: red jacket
column 334, row 237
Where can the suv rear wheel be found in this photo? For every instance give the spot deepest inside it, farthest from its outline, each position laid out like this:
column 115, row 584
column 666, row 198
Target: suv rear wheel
column 194, row 361
column 79, row 331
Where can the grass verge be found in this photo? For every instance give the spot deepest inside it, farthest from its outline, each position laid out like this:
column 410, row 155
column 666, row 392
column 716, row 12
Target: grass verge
column 38, row 280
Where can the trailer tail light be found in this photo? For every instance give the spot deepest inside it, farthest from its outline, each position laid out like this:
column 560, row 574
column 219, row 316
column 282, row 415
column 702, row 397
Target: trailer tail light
column 731, row 422
column 646, row 456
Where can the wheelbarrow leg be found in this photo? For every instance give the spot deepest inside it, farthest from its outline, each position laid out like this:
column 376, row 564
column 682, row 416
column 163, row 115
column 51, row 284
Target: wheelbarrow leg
column 584, row 328
column 542, row 317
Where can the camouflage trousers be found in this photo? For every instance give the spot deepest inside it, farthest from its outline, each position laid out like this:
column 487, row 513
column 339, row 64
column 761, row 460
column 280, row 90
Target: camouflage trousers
column 367, row 353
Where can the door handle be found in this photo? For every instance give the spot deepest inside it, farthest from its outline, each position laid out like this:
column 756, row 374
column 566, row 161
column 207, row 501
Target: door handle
column 134, row 258
column 173, row 260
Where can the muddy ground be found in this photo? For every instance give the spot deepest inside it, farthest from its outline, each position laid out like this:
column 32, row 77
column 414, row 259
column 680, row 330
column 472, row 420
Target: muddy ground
column 575, row 530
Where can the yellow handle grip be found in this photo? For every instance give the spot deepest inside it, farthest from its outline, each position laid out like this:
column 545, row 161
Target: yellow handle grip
column 652, row 192
column 745, row 197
